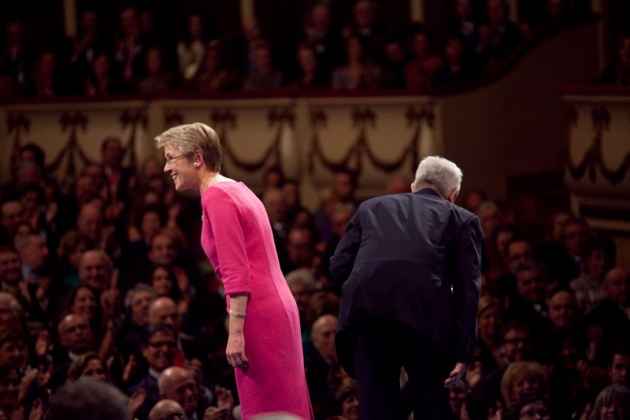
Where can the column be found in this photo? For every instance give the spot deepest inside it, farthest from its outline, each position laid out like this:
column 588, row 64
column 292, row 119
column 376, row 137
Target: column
column 70, row 17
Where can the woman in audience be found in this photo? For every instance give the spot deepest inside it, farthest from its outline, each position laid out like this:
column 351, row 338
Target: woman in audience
column 71, row 246
column 102, row 80
column 521, row 377
column 618, row 73
column 263, row 75
column 613, row 403
column 530, row 406
column 309, row 73
column 190, row 51
column 458, row 68
column 10, row 381
column 165, row 284
column 84, row 300
column 13, row 348
column 347, row 400
column 424, row 63
column 490, row 317
column 358, row 73
column 157, row 77
column 211, row 76
column 88, row 365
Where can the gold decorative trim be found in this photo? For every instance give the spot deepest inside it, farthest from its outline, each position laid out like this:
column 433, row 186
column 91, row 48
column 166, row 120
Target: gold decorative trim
column 133, row 118
column 363, row 117
column 18, row 122
column 593, row 159
column 70, row 120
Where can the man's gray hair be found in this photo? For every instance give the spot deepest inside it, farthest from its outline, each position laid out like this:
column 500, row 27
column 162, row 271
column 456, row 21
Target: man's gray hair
column 140, row 287
column 88, row 399
column 438, row 173
column 301, row 276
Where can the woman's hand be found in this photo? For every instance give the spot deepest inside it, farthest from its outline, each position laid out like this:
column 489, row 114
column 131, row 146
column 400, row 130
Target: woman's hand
column 235, row 351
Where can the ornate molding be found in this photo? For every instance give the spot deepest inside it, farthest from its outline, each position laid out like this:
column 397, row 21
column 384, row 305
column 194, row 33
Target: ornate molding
column 363, row 118
column 132, row 118
column 16, row 122
column 593, row 159
column 71, row 121
column 224, row 119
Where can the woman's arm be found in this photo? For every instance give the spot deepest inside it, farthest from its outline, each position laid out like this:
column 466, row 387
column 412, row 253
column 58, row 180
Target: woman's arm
column 235, row 350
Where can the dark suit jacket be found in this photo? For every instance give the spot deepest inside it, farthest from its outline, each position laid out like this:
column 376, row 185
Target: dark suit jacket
column 399, row 259
column 150, row 385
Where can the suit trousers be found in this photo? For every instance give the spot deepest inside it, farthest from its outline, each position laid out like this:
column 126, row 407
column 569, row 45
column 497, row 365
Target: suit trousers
column 383, row 347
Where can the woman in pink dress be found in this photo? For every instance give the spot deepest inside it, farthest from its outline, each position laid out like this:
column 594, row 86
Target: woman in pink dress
column 264, row 344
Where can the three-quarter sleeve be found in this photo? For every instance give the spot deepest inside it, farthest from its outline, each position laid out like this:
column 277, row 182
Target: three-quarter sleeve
column 225, row 220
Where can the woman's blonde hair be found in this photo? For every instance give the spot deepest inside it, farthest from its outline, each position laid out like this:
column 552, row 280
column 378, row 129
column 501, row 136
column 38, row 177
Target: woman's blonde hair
column 189, row 138
column 487, row 302
column 518, row 371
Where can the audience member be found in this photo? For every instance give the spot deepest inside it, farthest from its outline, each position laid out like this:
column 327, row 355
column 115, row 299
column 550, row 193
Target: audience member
column 618, row 73
column 88, row 399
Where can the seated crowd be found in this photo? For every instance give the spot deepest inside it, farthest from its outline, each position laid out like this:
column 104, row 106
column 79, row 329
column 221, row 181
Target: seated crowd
column 135, row 57
column 103, row 276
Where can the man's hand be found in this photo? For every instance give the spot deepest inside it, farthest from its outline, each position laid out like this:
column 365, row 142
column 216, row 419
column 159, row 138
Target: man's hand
column 455, row 375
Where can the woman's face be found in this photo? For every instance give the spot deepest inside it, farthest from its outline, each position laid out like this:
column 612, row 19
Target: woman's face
column 596, row 264
column 211, row 61
column 355, row 49
column 420, row 45
column 180, row 169
column 307, row 59
column 75, row 256
column 150, row 225
column 84, row 303
column 13, row 354
column 195, row 26
column 30, row 200
column 489, row 322
column 612, row 411
column 100, row 65
column 524, row 385
column 9, row 388
column 536, row 410
column 350, row 408
column 162, row 282
column 94, row 369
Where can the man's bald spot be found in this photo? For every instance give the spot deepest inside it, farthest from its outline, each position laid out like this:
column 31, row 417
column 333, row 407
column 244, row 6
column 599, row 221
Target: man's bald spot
column 173, row 374
column 163, row 408
column 69, row 319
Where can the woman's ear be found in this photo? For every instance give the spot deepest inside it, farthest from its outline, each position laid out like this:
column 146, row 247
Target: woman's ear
column 198, row 158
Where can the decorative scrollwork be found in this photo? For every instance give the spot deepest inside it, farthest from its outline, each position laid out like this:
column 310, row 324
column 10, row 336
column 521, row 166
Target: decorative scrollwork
column 133, row 118
column 364, row 117
column 18, row 122
column 593, row 159
column 280, row 115
column 70, row 121
column 271, row 156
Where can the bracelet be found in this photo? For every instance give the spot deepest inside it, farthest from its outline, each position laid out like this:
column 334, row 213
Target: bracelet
column 237, row 315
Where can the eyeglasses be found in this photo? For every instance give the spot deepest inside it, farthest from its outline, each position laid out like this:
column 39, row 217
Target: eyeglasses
column 170, row 160
column 159, row 344
column 531, row 413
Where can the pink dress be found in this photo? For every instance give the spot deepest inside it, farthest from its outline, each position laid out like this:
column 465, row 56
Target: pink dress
column 236, row 236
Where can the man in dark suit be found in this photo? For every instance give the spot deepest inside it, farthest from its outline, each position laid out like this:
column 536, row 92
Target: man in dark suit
column 410, row 266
